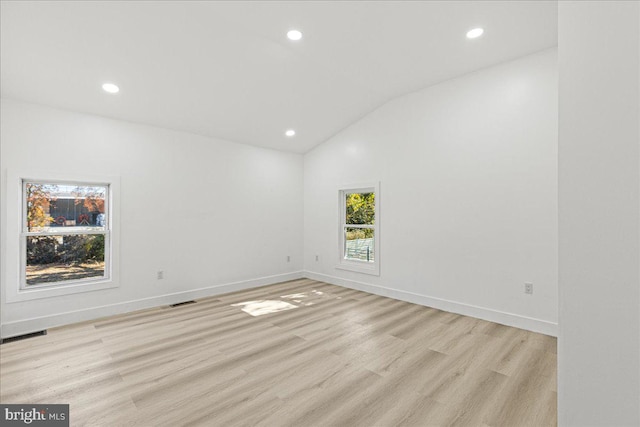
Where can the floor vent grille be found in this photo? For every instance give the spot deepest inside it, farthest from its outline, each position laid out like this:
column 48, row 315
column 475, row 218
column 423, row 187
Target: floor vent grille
column 182, row 303
column 22, row 337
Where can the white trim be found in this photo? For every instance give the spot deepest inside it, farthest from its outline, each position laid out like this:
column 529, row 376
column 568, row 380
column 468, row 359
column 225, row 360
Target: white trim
column 371, row 268
column 12, row 217
column 504, row 318
column 26, row 326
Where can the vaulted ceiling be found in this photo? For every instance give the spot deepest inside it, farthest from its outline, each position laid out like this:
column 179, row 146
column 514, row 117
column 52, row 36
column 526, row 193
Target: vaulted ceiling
column 228, row 70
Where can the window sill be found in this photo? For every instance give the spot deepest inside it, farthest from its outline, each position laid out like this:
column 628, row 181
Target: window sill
column 60, row 290
column 360, row 267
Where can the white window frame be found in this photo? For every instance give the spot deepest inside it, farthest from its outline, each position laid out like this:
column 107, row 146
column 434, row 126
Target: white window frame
column 359, row 266
column 25, row 234
column 14, row 215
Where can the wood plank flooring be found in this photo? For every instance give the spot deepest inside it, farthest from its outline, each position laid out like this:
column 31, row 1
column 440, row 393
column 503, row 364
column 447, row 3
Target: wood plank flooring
column 330, row 357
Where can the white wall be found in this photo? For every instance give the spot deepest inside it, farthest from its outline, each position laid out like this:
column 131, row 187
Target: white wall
column 468, row 201
column 599, row 188
column 206, row 212
column 468, row 173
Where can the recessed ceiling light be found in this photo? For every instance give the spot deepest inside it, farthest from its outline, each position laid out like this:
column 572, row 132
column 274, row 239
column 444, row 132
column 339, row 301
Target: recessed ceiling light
column 475, row 33
column 294, row 35
column 290, row 132
column 110, row 87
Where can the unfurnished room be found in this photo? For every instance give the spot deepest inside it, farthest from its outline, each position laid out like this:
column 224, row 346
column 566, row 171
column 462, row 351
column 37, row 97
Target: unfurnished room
column 320, row 213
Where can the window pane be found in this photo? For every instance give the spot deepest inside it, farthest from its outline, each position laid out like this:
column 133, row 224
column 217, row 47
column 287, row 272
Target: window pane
column 61, row 258
column 359, row 244
column 74, row 207
column 360, row 208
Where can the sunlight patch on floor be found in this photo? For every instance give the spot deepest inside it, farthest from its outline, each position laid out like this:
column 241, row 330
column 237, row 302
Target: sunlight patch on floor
column 308, row 298
column 260, row 307
column 287, row 302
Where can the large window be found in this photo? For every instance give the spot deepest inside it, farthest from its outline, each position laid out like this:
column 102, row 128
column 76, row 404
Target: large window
column 65, row 236
column 359, row 220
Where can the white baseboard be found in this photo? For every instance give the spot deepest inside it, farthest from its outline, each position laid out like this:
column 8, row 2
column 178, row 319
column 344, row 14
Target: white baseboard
column 26, row 326
column 39, row 323
column 509, row 319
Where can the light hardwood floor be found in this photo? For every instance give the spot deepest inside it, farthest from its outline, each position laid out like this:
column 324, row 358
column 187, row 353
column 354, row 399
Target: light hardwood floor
column 340, row 358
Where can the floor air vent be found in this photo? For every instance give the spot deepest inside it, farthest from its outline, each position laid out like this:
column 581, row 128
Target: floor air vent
column 182, row 303
column 22, row 337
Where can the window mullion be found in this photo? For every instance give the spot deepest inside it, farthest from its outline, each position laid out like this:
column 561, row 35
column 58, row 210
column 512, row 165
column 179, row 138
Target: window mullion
column 62, row 233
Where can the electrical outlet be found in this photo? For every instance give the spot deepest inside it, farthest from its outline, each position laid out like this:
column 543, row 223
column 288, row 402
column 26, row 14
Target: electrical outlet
column 288, row 258
column 317, row 257
column 160, row 275
column 528, row 288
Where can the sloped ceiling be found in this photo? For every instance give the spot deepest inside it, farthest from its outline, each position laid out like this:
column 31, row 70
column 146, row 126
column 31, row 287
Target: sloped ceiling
column 227, row 69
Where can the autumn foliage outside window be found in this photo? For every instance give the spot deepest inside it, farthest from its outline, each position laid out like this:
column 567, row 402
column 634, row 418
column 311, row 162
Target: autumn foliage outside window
column 65, row 233
column 359, row 226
